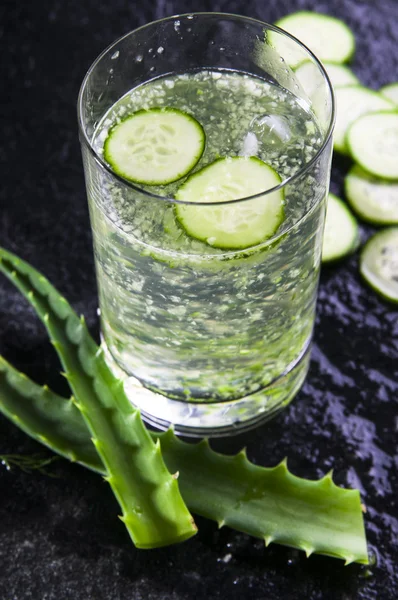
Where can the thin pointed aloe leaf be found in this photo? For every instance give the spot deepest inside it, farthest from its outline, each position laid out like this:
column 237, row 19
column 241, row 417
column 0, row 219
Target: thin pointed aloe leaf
column 273, row 504
column 48, row 418
column 153, row 510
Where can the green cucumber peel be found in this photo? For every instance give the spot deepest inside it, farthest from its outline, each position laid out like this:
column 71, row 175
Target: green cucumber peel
column 153, row 510
column 268, row 503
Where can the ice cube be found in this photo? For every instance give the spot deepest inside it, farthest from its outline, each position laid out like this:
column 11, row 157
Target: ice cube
column 271, row 129
column 250, row 145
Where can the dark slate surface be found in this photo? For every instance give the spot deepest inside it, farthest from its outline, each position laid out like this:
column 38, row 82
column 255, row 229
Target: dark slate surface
column 59, row 537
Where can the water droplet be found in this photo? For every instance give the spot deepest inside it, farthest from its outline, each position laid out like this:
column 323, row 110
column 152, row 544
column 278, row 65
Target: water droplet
column 177, row 25
column 374, row 557
column 225, row 559
column 160, row 50
column 139, row 58
column 115, row 55
column 190, row 17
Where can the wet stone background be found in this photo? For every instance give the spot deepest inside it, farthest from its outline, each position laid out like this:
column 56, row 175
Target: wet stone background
column 59, row 536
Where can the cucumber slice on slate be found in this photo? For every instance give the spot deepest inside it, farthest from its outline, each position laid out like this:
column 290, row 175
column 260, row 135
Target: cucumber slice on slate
column 341, row 235
column 379, row 263
column 352, row 101
column 339, row 75
column 390, row 91
column 329, row 38
column 374, row 200
column 372, row 141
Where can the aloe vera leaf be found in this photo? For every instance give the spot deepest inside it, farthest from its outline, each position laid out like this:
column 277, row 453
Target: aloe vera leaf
column 48, row 418
column 153, row 510
column 271, row 504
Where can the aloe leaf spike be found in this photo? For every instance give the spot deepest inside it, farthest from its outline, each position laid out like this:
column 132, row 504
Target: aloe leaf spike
column 153, row 510
column 272, row 504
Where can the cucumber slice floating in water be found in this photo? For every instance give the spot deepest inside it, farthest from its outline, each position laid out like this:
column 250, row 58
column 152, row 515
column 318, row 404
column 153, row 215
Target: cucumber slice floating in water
column 374, row 200
column 352, row 101
column 341, row 235
column 231, row 225
column 390, row 91
column 379, row 263
column 155, row 146
column 328, row 38
column 373, row 143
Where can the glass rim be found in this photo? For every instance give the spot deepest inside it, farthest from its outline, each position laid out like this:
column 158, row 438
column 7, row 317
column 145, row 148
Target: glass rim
column 305, row 168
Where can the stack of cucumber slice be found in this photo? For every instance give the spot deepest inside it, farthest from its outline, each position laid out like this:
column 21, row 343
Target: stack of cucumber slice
column 367, row 131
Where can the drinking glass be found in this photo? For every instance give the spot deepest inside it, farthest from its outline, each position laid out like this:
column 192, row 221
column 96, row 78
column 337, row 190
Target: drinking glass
column 211, row 341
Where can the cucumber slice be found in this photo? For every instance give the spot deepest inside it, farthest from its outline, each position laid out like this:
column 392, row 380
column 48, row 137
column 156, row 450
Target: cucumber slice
column 328, row 38
column 373, row 143
column 339, row 75
column 155, row 146
column 374, row 200
column 390, row 91
column 341, row 235
column 352, row 101
column 379, row 263
column 231, row 225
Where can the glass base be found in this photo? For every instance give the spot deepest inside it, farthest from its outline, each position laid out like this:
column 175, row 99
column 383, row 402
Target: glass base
column 215, row 419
